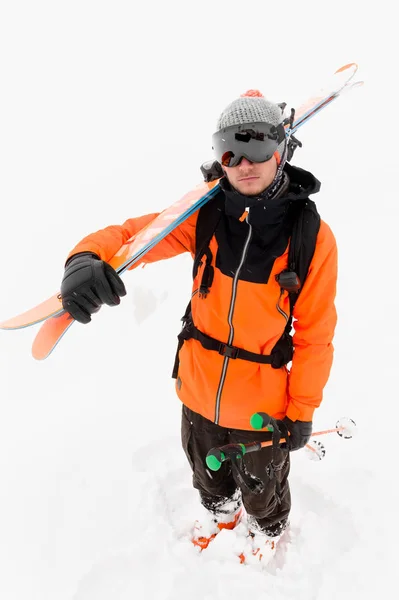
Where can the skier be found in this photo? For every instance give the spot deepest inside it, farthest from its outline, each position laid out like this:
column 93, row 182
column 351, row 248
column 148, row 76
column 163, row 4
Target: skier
column 234, row 352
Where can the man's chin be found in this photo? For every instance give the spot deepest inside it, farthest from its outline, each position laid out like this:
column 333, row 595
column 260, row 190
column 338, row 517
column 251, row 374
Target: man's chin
column 249, row 188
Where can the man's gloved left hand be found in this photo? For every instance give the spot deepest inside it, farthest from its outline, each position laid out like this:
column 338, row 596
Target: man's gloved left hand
column 299, row 433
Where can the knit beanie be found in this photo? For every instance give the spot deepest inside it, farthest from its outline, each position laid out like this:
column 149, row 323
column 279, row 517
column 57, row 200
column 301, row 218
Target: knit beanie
column 252, row 107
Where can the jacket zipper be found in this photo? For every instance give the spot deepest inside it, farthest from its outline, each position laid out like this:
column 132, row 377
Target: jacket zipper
column 230, row 320
column 280, row 310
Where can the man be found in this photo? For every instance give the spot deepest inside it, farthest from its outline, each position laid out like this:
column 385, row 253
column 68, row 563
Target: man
column 234, row 348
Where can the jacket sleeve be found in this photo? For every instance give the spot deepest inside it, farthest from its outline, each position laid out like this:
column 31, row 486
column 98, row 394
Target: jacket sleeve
column 106, row 242
column 315, row 323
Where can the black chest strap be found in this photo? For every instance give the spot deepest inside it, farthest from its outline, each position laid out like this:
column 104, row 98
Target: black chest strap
column 282, row 352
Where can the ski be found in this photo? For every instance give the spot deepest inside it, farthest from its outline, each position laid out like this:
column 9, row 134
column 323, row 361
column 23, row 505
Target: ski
column 129, row 253
column 340, row 82
column 57, row 321
column 327, row 101
column 341, row 79
column 55, row 327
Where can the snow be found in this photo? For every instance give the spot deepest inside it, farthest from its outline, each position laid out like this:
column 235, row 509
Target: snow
column 106, row 113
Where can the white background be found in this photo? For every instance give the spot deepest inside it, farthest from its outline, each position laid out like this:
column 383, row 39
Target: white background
column 106, row 112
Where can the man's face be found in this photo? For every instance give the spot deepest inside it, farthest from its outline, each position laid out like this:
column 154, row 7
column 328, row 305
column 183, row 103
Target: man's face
column 251, row 179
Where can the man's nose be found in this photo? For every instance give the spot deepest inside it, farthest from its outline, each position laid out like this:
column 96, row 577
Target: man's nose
column 245, row 162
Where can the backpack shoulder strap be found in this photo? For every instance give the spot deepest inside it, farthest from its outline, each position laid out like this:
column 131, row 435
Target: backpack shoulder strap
column 208, row 219
column 303, row 244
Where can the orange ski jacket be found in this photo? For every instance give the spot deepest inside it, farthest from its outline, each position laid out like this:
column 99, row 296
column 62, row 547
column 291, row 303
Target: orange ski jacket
column 246, row 305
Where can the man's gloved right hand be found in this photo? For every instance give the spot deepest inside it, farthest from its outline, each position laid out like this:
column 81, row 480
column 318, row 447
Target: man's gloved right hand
column 88, row 283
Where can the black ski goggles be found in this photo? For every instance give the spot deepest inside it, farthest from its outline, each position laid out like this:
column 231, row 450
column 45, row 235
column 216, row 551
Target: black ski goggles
column 257, row 142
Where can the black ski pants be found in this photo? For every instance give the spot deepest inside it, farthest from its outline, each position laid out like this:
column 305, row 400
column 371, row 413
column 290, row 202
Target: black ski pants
column 267, row 511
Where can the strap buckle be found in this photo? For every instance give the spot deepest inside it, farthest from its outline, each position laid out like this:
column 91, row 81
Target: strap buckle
column 228, row 351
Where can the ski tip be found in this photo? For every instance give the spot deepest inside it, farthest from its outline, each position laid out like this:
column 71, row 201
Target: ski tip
column 352, row 86
column 346, row 67
column 18, row 323
column 49, row 335
column 39, row 353
column 41, row 350
column 49, row 308
column 40, row 357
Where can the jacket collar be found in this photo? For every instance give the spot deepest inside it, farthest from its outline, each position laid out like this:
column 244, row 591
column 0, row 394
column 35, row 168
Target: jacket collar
column 297, row 184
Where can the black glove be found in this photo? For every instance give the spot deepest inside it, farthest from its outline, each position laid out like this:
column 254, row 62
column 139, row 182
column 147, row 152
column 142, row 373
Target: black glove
column 299, row 433
column 88, row 283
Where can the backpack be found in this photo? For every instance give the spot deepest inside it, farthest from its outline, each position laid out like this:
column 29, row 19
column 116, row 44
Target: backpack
column 302, row 246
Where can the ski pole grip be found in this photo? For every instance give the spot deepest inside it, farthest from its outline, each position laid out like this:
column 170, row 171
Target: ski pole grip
column 214, row 459
column 260, row 420
column 216, row 456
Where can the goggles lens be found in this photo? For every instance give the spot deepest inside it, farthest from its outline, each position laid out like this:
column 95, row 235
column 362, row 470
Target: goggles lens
column 257, row 142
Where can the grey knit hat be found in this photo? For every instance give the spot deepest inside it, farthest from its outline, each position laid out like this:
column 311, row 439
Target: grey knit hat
column 252, row 107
